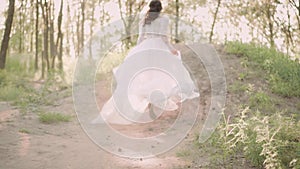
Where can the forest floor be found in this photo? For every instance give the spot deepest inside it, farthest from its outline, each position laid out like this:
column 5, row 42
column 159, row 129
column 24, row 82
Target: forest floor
column 27, row 143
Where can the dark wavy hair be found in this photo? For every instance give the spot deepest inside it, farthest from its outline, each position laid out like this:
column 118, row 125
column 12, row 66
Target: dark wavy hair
column 153, row 12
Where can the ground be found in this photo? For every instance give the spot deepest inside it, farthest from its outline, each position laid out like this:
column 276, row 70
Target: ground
column 26, row 143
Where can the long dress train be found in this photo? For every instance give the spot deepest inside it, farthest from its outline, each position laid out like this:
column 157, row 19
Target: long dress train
column 150, row 86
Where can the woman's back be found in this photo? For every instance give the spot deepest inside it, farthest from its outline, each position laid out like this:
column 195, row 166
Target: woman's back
column 159, row 26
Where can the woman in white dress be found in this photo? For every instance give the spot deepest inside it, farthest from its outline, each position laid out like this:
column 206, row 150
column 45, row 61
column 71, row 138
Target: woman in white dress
column 150, row 90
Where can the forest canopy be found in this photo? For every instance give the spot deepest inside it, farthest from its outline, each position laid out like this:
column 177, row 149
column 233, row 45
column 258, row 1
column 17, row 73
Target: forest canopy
column 51, row 30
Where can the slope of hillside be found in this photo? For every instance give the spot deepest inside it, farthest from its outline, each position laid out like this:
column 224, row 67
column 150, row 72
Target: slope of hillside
column 260, row 128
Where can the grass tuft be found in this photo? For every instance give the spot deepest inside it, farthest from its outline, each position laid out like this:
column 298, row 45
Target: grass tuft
column 23, row 130
column 53, row 117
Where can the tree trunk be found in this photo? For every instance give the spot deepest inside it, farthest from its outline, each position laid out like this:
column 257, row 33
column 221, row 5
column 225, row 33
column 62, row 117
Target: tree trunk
column 177, row 22
column 36, row 36
column 131, row 10
column 53, row 48
column 6, row 36
column 46, row 33
column 91, row 32
column 123, row 20
column 82, row 23
column 67, row 45
column 31, row 26
column 298, row 16
column 296, row 5
column 21, row 26
column 77, row 49
column 270, row 24
column 59, row 41
column 214, row 21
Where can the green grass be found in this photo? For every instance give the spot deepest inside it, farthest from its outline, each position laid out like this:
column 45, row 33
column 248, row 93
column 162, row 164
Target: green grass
column 264, row 131
column 261, row 101
column 10, row 93
column 17, row 88
column 265, row 141
column 282, row 73
column 238, row 87
column 183, row 153
column 23, row 130
column 14, row 78
column 53, row 117
column 110, row 61
column 20, row 64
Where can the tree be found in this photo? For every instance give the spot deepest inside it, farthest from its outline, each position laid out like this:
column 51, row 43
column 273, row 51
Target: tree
column 261, row 15
column 214, row 21
column 292, row 31
column 91, row 17
column 296, row 5
column 177, row 21
column 173, row 8
column 21, row 25
column 45, row 55
column 78, row 23
column 82, row 6
column 6, row 36
column 68, row 27
column 32, row 8
column 103, row 19
column 182, row 12
column 129, row 12
column 53, row 46
column 36, row 35
column 59, row 41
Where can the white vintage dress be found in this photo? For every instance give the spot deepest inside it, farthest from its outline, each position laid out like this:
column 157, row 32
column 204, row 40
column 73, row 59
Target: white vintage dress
column 152, row 86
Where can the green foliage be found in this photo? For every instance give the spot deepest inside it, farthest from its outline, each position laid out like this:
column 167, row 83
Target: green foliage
column 283, row 73
column 16, row 87
column 266, row 137
column 13, row 80
column 110, row 61
column 23, row 130
column 242, row 76
column 21, row 64
column 261, row 101
column 183, row 153
column 266, row 141
column 239, row 87
column 11, row 86
column 10, row 93
column 53, row 117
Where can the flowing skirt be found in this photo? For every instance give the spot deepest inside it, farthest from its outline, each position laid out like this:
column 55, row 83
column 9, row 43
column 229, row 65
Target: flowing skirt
column 149, row 87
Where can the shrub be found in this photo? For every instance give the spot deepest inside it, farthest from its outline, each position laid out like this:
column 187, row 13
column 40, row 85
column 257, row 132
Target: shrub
column 267, row 141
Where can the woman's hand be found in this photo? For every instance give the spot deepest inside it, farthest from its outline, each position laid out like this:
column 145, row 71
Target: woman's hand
column 174, row 52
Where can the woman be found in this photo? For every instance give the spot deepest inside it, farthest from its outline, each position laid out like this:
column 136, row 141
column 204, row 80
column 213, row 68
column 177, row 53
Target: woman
column 156, row 24
column 153, row 89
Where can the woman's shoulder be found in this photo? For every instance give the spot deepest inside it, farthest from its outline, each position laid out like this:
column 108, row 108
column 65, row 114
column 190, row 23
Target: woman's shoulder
column 164, row 18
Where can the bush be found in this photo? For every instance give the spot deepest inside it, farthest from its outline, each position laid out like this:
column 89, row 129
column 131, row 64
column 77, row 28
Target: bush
column 266, row 141
column 10, row 93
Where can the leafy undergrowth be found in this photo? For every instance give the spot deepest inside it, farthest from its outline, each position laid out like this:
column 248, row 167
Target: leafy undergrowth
column 18, row 88
column 264, row 128
column 53, row 117
column 282, row 73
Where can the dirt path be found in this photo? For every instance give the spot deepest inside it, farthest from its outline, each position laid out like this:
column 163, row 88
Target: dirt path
column 26, row 143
